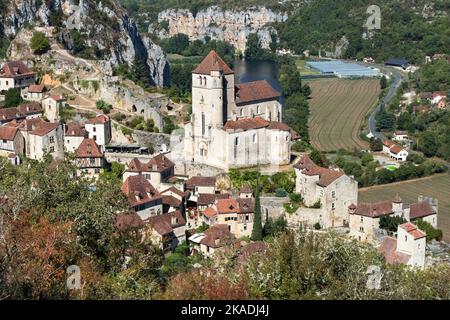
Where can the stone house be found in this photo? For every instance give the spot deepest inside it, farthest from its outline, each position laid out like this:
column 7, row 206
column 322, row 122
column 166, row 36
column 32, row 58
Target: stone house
column 400, row 136
column 214, row 239
column 34, row 92
column 52, row 106
column 143, row 197
column 365, row 217
column 74, row 134
column 15, row 74
column 21, row 112
column 334, row 190
column 198, row 184
column 89, row 158
column 99, row 129
column 408, row 248
column 167, row 230
column 11, row 141
column 175, row 200
column 234, row 125
column 46, row 137
column 158, row 170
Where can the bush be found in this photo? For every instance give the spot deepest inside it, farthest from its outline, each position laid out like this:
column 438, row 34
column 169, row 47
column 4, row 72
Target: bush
column 317, row 226
column 280, row 192
column 432, row 233
column 12, row 97
column 296, row 198
column 316, row 205
column 39, row 43
column 391, row 223
column 126, row 131
column 105, row 107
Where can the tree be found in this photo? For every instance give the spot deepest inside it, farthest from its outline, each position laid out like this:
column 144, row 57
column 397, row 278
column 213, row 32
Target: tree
column 319, row 158
column 391, row 223
column 257, row 221
column 376, row 144
column 383, row 82
column 432, row 233
column 12, row 97
column 39, row 43
column 296, row 115
column 102, row 105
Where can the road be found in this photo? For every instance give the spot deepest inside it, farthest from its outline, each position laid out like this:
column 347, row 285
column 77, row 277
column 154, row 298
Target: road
column 397, row 79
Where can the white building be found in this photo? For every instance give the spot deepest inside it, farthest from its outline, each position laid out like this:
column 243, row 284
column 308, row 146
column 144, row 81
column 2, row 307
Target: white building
column 394, row 151
column 52, row 106
column 234, row 125
column 330, row 188
column 74, row 136
column 408, row 248
column 15, row 74
column 365, row 217
column 99, row 129
column 400, row 136
column 142, row 196
column 45, row 138
column 34, row 92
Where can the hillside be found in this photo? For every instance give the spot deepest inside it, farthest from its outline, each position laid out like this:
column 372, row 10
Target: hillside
column 411, row 29
column 92, row 30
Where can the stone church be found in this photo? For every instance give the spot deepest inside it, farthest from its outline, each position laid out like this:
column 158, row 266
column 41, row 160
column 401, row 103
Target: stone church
column 234, row 125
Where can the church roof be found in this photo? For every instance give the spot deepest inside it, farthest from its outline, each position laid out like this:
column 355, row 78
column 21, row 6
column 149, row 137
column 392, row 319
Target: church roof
column 212, row 62
column 255, row 91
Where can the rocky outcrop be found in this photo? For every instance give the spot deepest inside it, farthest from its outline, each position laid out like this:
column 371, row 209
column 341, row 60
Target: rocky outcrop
column 97, row 29
column 232, row 26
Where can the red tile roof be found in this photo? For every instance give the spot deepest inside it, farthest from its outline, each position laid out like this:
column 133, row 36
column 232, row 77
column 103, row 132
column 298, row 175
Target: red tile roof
column 246, row 252
column 57, row 98
column 227, row 206
column 30, row 124
column 177, row 192
column 36, row 88
column 217, row 236
column 8, row 114
column 212, row 62
column 413, row 230
column 30, row 108
column 210, row 212
column 246, row 189
column 128, row 220
column 326, row 176
column 199, row 181
column 139, row 190
column 158, row 163
column 75, row 129
column 44, row 128
column 246, row 205
column 420, row 210
column 389, row 249
column 206, row 199
column 255, row 91
column 88, row 148
column 8, row 133
column 246, row 124
column 171, row 201
column 100, row 119
column 14, row 69
column 374, row 210
column 165, row 223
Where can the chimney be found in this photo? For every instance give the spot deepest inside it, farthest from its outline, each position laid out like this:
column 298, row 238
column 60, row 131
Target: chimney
column 173, row 220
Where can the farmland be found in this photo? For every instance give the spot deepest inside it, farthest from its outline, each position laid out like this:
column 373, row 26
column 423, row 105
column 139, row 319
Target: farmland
column 338, row 109
column 437, row 186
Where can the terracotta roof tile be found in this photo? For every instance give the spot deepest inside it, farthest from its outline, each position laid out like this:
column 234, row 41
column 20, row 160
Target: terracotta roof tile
column 171, row 201
column 165, row 223
column 200, row 181
column 246, row 252
column 75, row 129
column 210, row 212
column 88, row 148
column 420, row 210
column 326, row 176
column 374, row 210
column 15, row 69
column 389, row 249
column 139, row 190
column 212, row 62
column 158, row 163
column 8, row 114
column 217, row 236
column 176, row 191
column 413, row 230
column 8, row 133
column 206, row 199
column 44, row 128
column 100, row 119
column 255, row 91
column 227, row 206
column 246, row 205
column 36, row 88
column 30, row 108
column 128, row 220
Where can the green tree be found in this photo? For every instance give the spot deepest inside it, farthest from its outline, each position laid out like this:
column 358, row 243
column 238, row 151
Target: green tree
column 257, row 234
column 391, row 223
column 12, row 97
column 383, row 82
column 39, row 43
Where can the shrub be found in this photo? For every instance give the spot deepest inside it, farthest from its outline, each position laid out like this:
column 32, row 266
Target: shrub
column 39, row 43
column 432, row 233
column 296, row 198
column 316, row 205
column 280, row 192
column 105, row 107
column 317, row 226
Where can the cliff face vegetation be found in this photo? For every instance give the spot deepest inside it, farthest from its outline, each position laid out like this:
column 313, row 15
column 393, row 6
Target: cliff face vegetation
column 89, row 29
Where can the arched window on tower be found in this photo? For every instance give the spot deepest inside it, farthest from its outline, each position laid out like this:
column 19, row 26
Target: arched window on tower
column 201, row 80
column 203, row 124
column 204, row 79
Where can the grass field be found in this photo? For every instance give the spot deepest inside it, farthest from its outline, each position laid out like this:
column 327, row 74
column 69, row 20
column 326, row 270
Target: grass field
column 338, row 109
column 437, row 186
column 304, row 69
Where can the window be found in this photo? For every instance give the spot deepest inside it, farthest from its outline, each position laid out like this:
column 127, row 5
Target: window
column 52, row 149
column 203, row 124
column 241, row 112
column 236, row 141
column 406, row 238
column 204, row 78
column 255, row 138
column 201, row 80
column 362, row 219
column 333, row 194
column 92, row 162
column 95, row 129
column 361, row 229
column 258, row 109
column 52, row 139
column 95, row 138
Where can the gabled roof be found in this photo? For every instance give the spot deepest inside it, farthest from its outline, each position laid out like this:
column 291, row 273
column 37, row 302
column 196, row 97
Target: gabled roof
column 217, row 236
column 176, row 191
column 413, row 230
column 14, row 69
column 8, row 114
column 374, row 210
column 139, row 190
column 88, row 148
column 128, row 220
column 255, row 91
column 210, row 212
column 212, row 62
column 100, row 119
column 246, row 124
column 30, row 108
column 227, row 206
column 75, row 129
column 158, row 163
column 36, row 88
column 199, row 181
column 389, row 249
column 420, row 210
column 8, row 133
column 165, row 223
column 30, row 124
column 246, row 205
column 309, row 168
column 44, row 128
column 171, row 201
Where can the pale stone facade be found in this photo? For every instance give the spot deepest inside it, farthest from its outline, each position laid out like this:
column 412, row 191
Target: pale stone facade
column 52, row 106
column 223, row 135
column 46, row 138
column 334, row 190
column 11, row 141
column 99, row 129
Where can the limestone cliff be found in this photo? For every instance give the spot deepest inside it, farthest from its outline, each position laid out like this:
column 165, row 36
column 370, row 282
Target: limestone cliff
column 99, row 29
column 232, row 26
